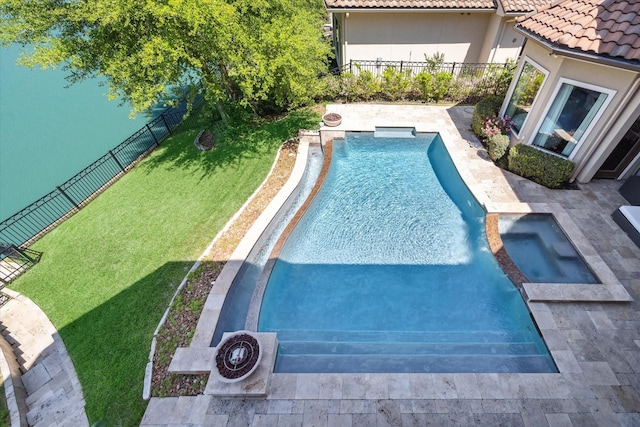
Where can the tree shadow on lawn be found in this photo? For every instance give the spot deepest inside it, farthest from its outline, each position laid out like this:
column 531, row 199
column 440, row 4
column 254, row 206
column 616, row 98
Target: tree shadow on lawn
column 110, row 344
column 234, row 142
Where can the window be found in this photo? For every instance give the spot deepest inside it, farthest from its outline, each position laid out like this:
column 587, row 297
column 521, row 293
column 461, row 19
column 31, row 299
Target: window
column 571, row 116
column 529, row 83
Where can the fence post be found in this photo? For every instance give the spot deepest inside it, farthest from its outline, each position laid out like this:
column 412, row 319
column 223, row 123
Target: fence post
column 453, row 69
column 151, row 132
column 116, row 160
column 67, row 197
column 401, row 63
column 164, row 120
column 350, row 66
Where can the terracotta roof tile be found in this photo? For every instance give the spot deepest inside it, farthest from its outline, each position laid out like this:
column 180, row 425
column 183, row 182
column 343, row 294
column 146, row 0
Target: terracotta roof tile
column 523, row 6
column 602, row 27
column 411, row 4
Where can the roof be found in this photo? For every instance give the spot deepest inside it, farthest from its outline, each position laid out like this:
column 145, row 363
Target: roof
column 509, row 6
column 523, row 6
column 607, row 28
column 410, row 4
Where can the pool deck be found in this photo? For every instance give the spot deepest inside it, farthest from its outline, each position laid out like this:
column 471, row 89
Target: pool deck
column 596, row 345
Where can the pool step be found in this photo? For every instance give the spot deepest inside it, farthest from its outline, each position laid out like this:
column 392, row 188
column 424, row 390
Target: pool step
column 414, row 363
column 400, row 348
column 394, row 351
column 481, row 337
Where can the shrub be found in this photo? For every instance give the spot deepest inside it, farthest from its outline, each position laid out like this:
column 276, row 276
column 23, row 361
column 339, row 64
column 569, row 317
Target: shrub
column 433, row 87
column 538, row 166
column 349, row 86
column 434, row 62
column 487, row 107
column 497, row 146
column 363, row 86
column 500, row 77
column 496, row 125
column 395, row 84
column 368, row 85
column 329, row 88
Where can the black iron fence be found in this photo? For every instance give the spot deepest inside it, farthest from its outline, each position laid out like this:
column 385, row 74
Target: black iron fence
column 30, row 223
column 457, row 69
column 13, row 261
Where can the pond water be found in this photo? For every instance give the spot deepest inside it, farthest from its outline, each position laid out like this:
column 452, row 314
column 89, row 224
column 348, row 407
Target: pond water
column 48, row 132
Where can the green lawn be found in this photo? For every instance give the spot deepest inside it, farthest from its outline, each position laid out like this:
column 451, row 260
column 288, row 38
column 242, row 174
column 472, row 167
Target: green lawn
column 107, row 274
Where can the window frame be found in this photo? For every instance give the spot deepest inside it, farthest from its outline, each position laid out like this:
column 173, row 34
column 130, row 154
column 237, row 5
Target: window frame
column 576, row 83
column 541, row 69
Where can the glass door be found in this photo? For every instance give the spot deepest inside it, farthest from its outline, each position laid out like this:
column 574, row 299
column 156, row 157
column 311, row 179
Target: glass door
column 624, row 153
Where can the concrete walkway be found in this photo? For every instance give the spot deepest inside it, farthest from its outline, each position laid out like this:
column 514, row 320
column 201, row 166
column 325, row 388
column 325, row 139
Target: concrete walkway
column 48, row 392
column 595, row 345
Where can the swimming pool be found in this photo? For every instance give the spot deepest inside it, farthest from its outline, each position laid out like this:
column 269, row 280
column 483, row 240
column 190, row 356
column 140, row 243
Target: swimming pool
column 389, row 270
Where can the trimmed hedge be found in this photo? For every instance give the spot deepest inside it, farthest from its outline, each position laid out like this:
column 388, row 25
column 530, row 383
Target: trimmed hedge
column 487, row 107
column 497, row 146
column 540, row 167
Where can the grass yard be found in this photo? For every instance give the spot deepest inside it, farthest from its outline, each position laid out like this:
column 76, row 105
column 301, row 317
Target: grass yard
column 107, row 274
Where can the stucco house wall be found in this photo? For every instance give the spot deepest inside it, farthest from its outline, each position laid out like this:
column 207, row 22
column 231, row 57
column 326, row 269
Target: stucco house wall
column 408, row 36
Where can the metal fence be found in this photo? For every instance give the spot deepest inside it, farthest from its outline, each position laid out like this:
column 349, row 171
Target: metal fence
column 457, row 69
column 30, row 223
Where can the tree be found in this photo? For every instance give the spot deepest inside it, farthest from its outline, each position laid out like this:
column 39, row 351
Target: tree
column 263, row 54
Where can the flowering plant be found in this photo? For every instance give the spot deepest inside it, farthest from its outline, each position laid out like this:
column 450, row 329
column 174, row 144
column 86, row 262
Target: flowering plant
column 495, row 125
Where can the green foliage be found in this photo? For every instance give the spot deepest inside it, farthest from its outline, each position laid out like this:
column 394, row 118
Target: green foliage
column 329, row 88
column 395, row 83
column 497, row 146
column 502, row 76
column 432, row 84
column 538, row 166
column 487, row 107
column 363, row 86
column 368, row 85
column 433, row 87
column 264, row 55
column 434, row 62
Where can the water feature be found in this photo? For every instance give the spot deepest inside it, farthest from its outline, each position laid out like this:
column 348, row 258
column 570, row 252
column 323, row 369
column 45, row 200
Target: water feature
column 234, row 311
column 49, row 132
column 389, row 271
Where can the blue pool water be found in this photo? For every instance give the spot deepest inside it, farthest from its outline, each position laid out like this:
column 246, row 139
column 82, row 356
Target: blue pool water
column 541, row 251
column 389, row 271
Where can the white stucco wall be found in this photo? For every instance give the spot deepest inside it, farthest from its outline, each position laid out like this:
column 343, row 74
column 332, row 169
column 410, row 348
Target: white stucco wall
column 395, row 36
column 501, row 43
column 612, row 124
